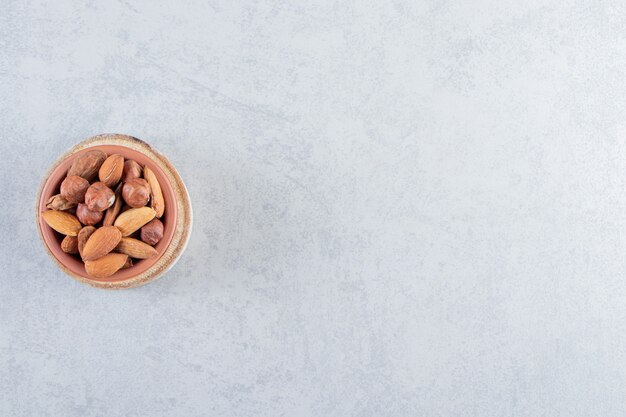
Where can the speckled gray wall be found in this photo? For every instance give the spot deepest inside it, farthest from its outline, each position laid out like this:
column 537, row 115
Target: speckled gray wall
column 401, row 208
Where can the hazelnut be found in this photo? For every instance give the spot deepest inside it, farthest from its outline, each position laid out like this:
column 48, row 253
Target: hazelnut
column 88, row 217
column 136, row 192
column 152, row 232
column 99, row 197
column 73, row 188
column 131, row 170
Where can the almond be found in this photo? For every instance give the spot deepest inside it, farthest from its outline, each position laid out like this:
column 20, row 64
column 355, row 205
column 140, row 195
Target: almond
column 114, row 210
column 101, row 242
column 128, row 264
column 135, row 248
column 63, row 222
column 111, row 170
column 83, row 237
column 106, row 266
column 70, row 244
column 57, row 202
column 87, row 164
column 131, row 220
column 156, row 195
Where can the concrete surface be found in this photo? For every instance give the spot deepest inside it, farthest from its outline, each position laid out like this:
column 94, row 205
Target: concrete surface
column 401, row 208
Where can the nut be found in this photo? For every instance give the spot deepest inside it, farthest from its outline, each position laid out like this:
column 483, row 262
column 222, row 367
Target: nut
column 101, row 242
column 106, row 266
column 110, row 172
column 152, row 232
column 128, row 264
column 88, row 217
column 131, row 170
column 83, row 237
column 99, row 197
column 57, row 202
column 156, row 195
column 109, row 230
column 114, row 210
column 131, row 220
column 70, row 244
column 64, row 223
column 73, row 189
column 135, row 248
column 136, row 192
column 87, row 164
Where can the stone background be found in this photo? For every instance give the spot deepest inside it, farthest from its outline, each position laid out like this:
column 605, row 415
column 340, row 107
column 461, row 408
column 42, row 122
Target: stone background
column 401, row 208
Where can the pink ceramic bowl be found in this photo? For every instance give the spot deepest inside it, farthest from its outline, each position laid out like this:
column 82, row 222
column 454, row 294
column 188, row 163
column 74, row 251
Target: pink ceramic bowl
column 177, row 218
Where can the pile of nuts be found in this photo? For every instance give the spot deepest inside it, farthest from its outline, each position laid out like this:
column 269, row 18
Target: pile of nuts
column 106, row 228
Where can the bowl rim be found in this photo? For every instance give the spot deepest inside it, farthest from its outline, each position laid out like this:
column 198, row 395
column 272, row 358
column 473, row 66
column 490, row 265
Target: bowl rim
column 183, row 217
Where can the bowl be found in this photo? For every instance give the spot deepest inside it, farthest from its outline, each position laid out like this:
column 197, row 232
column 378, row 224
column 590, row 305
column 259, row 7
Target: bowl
column 177, row 219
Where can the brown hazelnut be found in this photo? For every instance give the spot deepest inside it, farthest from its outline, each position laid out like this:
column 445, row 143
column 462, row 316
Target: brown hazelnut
column 73, row 188
column 152, row 232
column 88, row 217
column 131, row 170
column 99, row 197
column 136, row 192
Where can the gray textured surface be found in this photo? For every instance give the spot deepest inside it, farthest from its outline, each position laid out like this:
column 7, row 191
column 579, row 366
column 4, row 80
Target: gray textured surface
column 401, row 209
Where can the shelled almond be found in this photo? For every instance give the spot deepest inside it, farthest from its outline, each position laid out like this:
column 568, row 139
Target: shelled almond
column 97, row 224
